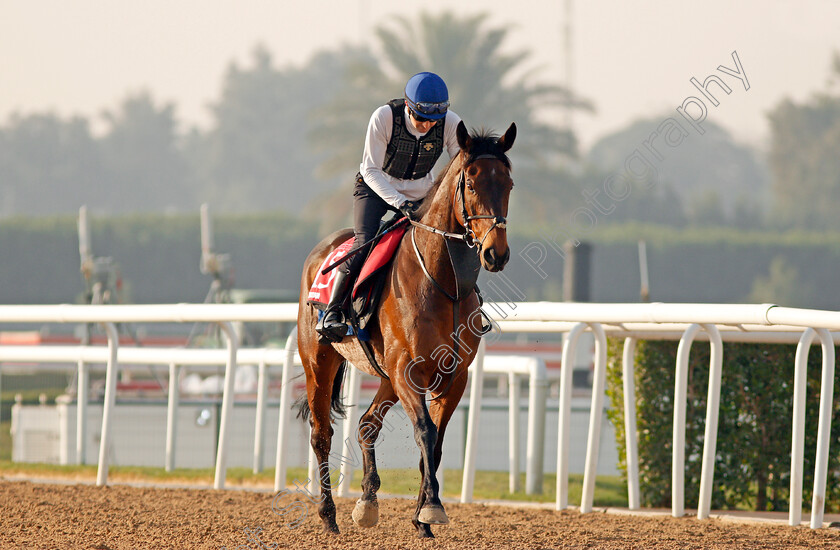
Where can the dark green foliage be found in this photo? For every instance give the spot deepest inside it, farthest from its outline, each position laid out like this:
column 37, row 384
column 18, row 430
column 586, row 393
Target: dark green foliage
column 752, row 468
column 686, row 265
column 158, row 256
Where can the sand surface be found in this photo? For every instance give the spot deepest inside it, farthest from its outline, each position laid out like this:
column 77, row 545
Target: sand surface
column 37, row 515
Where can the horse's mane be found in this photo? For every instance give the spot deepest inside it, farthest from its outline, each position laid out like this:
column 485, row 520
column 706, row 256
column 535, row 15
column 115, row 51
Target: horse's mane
column 484, row 142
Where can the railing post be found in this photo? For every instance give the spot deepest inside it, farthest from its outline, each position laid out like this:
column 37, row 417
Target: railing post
column 678, row 439
column 353, row 387
column 537, row 396
column 285, row 412
column 513, row 431
column 824, row 429
column 596, row 413
column 172, row 415
column 111, row 374
column 707, row 475
column 82, row 387
column 227, row 405
column 259, row 420
column 476, row 388
column 797, row 452
column 564, row 418
column 630, row 433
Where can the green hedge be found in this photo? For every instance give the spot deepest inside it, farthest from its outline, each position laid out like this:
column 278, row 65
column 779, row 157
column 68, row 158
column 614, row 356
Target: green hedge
column 159, row 256
column 694, row 264
column 752, row 466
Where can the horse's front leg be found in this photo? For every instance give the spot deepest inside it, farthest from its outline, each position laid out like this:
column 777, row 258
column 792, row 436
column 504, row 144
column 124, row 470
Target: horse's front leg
column 366, row 512
column 441, row 408
column 429, row 508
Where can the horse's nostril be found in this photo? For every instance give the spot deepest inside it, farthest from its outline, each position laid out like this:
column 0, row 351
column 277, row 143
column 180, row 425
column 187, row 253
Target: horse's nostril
column 506, row 257
column 490, row 256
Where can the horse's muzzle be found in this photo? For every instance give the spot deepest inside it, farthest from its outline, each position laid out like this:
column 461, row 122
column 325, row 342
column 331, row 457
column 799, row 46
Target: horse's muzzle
column 493, row 261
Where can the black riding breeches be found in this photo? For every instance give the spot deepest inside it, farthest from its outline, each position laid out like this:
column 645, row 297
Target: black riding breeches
column 368, row 211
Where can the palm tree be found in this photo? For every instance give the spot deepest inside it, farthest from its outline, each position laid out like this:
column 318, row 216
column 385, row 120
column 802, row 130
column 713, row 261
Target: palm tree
column 486, row 87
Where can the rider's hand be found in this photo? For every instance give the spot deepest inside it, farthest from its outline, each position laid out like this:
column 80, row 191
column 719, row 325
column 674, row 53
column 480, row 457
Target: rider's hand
column 409, row 210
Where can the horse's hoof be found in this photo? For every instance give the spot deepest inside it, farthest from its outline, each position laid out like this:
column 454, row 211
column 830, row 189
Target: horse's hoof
column 331, row 529
column 366, row 513
column 433, row 514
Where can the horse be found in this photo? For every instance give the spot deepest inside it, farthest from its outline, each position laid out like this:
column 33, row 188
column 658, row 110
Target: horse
column 428, row 327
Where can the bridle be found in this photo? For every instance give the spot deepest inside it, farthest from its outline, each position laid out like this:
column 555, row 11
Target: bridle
column 469, row 236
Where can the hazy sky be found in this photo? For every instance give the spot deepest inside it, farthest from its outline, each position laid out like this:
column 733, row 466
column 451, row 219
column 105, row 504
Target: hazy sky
column 632, row 58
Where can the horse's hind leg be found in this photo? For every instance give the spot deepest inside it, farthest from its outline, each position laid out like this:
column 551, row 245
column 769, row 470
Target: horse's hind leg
column 366, row 512
column 319, row 388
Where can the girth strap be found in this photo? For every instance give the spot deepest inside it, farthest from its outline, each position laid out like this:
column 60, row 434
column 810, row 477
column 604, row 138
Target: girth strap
column 366, row 347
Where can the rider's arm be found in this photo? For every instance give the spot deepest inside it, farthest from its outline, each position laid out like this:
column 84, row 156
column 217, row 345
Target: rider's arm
column 450, row 137
column 376, row 142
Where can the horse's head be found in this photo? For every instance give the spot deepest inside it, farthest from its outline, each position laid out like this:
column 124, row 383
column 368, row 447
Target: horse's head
column 484, row 192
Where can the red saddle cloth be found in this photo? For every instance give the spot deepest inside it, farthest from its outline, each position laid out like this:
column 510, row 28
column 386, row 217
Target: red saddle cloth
column 379, row 257
column 322, row 286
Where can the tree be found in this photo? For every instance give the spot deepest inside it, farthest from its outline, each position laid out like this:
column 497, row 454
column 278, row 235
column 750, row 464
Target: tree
column 47, row 164
column 256, row 157
column 142, row 162
column 486, row 87
column 805, row 165
column 715, row 179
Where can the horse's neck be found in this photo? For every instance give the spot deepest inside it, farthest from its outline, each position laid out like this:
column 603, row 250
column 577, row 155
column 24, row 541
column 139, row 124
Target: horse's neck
column 441, row 215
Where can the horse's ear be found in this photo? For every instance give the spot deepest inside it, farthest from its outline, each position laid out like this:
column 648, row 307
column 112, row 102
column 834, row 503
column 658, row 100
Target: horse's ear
column 506, row 141
column 464, row 139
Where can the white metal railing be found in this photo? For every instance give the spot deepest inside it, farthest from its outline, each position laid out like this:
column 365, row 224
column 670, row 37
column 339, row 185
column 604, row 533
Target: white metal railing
column 109, row 315
column 720, row 322
column 514, row 367
column 174, row 359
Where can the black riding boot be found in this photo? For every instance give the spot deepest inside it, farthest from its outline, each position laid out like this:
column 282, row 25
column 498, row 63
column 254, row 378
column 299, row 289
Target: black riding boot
column 332, row 325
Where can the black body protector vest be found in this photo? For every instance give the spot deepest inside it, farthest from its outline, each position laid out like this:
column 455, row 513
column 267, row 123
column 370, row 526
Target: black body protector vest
column 407, row 157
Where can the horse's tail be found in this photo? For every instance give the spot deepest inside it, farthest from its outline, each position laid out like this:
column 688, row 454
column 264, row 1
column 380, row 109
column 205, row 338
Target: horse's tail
column 336, row 403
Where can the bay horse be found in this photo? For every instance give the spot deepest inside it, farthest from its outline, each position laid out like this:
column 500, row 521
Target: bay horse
column 428, row 328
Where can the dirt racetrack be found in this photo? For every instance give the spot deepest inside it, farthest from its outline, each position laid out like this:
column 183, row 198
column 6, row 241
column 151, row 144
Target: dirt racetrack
column 121, row 517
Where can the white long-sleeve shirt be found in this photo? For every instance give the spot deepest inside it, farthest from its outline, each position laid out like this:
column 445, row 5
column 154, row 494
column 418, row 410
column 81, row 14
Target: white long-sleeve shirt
column 393, row 190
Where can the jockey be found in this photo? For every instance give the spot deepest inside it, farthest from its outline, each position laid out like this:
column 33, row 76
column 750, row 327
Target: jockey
column 404, row 140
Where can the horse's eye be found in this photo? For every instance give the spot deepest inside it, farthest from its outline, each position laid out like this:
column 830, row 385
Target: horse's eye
column 470, row 187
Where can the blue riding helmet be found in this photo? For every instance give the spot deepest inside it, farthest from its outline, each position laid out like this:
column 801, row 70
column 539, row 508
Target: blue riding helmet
column 426, row 95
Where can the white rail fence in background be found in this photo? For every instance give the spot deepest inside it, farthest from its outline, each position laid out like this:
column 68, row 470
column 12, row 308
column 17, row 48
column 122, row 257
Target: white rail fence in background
column 718, row 322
